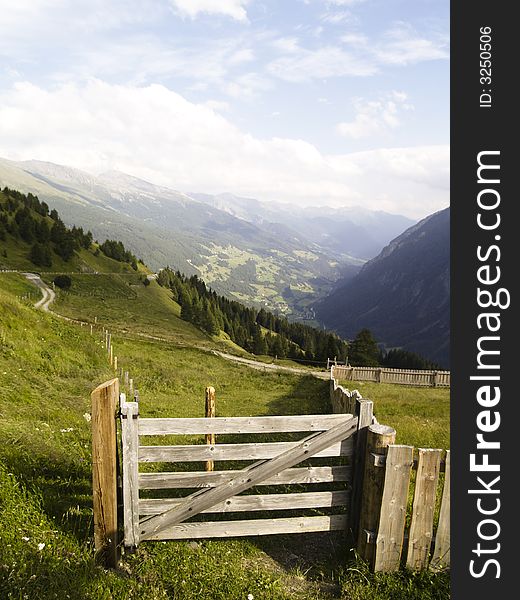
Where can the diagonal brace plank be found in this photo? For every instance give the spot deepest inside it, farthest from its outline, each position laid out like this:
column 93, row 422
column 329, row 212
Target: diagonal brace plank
column 247, row 478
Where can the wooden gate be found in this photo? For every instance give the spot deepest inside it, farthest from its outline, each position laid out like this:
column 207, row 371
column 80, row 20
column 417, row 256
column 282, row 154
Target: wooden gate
column 191, row 502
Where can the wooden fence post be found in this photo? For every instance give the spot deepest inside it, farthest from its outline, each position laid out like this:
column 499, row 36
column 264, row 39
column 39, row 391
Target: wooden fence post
column 435, row 378
column 104, row 470
column 377, row 440
column 210, row 412
column 364, row 412
column 130, row 442
column 421, row 527
column 390, row 531
column 441, row 554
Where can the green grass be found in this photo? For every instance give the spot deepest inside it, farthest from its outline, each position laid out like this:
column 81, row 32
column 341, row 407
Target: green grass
column 48, row 368
column 14, row 254
column 19, row 286
column 420, row 415
column 122, row 302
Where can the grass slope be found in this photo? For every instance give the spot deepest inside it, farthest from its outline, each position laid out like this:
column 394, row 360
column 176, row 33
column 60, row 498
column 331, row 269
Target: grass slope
column 420, row 416
column 48, row 368
column 14, row 254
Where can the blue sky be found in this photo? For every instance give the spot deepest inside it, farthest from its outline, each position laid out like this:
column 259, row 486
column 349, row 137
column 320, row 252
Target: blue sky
column 338, row 102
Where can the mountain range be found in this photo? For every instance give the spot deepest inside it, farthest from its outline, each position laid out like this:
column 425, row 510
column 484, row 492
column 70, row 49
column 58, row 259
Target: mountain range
column 261, row 253
column 402, row 295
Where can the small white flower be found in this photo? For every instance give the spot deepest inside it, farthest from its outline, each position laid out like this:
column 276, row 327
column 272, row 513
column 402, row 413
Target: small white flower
column 68, row 430
column 87, row 417
column 250, row 597
column 25, row 538
column 41, row 546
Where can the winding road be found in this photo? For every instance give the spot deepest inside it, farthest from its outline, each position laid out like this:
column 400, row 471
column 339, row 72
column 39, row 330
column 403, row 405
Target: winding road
column 48, row 293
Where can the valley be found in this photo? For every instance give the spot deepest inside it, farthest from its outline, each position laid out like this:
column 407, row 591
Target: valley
column 48, row 367
column 259, row 253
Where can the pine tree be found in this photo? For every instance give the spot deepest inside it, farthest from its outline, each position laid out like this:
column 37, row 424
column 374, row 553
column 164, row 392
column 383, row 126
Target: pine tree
column 363, row 350
column 40, row 255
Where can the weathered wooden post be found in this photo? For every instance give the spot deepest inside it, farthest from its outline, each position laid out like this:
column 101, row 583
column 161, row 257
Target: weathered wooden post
column 441, row 554
column 111, row 355
column 91, row 330
column 377, row 440
column 131, row 386
column 130, row 443
column 421, row 527
column 104, row 470
column 392, row 518
column 210, row 412
column 364, row 412
column 115, row 364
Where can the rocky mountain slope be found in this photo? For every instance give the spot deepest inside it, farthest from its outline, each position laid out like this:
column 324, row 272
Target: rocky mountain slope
column 402, row 295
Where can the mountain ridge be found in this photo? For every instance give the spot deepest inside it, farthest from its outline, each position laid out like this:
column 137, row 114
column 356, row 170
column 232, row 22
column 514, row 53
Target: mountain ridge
column 402, row 295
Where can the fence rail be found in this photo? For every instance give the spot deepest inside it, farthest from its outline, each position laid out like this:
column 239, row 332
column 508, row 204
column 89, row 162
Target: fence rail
column 385, row 375
column 385, row 495
column 160, row 518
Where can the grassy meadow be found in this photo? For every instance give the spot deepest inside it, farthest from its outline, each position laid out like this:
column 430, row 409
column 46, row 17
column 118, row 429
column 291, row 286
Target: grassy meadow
column 420, row 415
column 48, row 367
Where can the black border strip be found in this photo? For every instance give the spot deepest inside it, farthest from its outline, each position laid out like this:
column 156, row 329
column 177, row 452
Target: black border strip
column 476, row 127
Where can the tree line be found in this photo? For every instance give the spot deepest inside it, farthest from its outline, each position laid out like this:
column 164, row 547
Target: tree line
column 25, row 217
column 261, row 332
column 257, row 331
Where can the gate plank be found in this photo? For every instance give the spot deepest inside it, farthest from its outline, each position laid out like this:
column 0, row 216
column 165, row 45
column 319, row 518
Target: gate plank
column 185, row 531
column 193, row 479
column 253, row 451
column 237, row 425
column 130, row 442
column 248, row 478
column 156, row 506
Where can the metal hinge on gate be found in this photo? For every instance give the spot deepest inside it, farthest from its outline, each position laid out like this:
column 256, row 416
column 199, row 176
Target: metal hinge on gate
column 371, row 536
column 379, row 459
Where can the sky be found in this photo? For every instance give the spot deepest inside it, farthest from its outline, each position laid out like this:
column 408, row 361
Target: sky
column 310, row 102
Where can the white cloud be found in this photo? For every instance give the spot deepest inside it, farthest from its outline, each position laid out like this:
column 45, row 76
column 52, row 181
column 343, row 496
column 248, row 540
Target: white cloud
column 321, row 63
column 402, row 45
column 236, row 9
column 375, row 116
column 356, row 55
column 154, row 133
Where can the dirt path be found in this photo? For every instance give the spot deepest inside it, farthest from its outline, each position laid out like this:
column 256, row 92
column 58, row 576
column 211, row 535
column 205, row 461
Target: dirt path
column 49, row 296
column 48, row 293
column 270, row 366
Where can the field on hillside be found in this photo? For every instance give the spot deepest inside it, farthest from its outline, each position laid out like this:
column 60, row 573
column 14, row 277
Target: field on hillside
column 48, row 368
column 420, row 415
column 123, row 303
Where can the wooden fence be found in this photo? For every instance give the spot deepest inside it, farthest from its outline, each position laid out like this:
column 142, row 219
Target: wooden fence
column 400, row 488
column 383, row 375
column 218, row 492
column 349, row 476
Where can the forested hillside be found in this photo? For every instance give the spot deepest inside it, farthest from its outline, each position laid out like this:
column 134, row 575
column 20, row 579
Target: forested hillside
column 258, row 331
column 33, row 235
